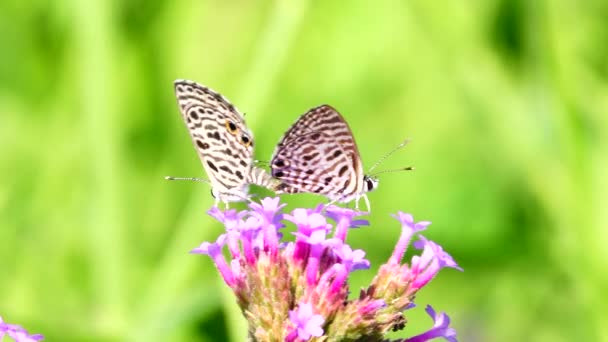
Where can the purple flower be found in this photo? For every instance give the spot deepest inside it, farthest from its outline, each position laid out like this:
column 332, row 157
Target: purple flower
column 306, row 323
column 269, row 209
column 440, row 328
column 408, row 229
column 445, row 260
column 307, row 279
column 251, row 238
column 217, row 214
column 344, row 219
column 410, row 306
column 21, row 335
column 426, row 266
column 307, row 222
column 352, row 260
column 214, row 250
column 17, row 333
column 316, row 242
column 338, row 213
column 229, row 217
column 332, row 280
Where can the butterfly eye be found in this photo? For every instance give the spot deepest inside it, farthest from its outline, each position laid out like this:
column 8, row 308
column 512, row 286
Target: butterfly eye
column 231, row 127
column 246, row 140
column 370, row 184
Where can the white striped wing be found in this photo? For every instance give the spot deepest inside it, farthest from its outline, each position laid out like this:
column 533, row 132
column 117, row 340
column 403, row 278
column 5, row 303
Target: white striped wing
column 221, row 138
column 318, row 154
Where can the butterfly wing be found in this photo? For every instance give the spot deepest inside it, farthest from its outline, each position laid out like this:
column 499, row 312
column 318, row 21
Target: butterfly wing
column 318, row 154
column 220, row 136
column 323, row 119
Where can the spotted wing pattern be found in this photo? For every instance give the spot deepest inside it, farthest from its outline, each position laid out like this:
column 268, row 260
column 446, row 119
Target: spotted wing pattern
column 323, row 119
column 222, row 140
column 318, row 154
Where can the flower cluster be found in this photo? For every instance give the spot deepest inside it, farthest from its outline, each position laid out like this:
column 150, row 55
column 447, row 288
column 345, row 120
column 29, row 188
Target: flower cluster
column 298, row 291
column 17, row 333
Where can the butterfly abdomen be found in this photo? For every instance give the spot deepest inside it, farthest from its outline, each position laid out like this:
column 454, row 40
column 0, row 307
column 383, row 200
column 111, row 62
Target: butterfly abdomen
column 260, row 177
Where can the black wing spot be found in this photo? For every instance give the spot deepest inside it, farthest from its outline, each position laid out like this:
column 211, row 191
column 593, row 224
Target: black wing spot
column 279, row 163
column 328, row 180
column 226, row 169
column 243, row 163
column 201, row 111
column 215, row 135
column 212, row 166
column 310, row 157
column 278, row 174
column 239, row 174
column 193, row 115
column 337, row 153
column 342, row 171
column 202, row 145
column 228, row 152
column 315, row 136
column 246, row 141
column 309, row 171
column 231, row 127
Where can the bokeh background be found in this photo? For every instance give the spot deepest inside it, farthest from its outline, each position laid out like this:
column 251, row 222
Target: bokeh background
column 505, row 101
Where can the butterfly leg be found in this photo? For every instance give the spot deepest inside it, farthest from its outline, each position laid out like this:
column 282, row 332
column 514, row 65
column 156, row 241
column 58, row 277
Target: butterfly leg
column 216, row 198
column 369, row 208
column 332, row 202
column 358, row 197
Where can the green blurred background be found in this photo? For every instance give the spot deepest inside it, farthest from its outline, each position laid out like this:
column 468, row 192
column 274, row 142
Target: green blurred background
column 506, row 103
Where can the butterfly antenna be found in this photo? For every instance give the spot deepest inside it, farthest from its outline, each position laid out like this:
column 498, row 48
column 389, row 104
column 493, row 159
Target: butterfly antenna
column 397, row 148
column 192, row 179
column 407, row 168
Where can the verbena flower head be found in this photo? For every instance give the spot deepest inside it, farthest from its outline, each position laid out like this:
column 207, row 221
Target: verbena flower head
column 17, row 333
column 298, row 291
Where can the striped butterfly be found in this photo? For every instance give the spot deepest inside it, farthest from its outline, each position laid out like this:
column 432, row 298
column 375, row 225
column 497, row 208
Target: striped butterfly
column 223, row 142
column 318, row 154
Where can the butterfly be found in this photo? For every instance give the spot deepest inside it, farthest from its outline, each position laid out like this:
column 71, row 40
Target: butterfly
column 318, row 154
column 223, row 142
